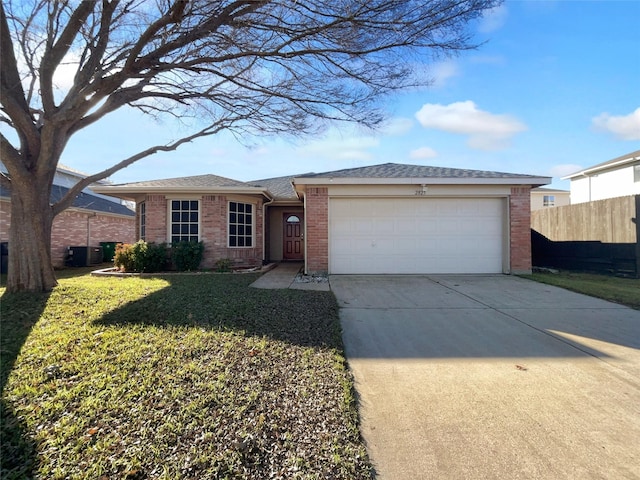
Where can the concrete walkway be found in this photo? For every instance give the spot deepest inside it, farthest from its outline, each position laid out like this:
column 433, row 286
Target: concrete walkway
column 284, row 274
column 492, row 377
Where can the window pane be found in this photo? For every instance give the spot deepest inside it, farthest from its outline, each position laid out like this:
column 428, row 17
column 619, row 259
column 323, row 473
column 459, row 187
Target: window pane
column 184, row 217
column 233, row 229
column 184, row 228
column 194, row 229
column 185, row 205
column 175, row 229
column 232, row 241
column 194, row 205
column 241, row 241
column 248, row 208
column 240, row 229
column 247, row 219
column 233, row 207
column 194, row 217
column 240, row 218
column 175, row 217
column 247, row 230
column 248, row 242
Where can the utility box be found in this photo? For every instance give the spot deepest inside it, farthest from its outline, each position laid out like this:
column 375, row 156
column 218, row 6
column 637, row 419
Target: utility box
column 81, row 256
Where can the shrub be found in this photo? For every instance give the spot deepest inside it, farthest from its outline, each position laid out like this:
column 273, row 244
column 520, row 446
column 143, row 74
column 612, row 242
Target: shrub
column 187, row 256
column 124, row 258
column 223, row 265
column 141, row 257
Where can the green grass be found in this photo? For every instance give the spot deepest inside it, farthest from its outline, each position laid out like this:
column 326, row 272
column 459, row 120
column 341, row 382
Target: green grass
column 176, row 377
column 625, row 291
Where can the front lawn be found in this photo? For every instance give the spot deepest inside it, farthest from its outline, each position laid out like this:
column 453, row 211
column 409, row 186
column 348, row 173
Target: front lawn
column 625, row 291
column 176, row 377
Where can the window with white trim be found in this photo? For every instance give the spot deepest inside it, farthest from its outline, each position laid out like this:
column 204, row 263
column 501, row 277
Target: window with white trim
column 142, row 209
column 548, row 201
column 185, row 224
column 240, row 224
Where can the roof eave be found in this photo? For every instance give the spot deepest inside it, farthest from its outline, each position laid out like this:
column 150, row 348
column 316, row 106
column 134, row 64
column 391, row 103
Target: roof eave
column 129, row 192
column 602, row 167
column 533, row 181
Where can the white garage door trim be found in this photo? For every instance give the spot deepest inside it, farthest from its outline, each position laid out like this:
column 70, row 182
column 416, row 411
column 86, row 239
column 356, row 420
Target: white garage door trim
column 416, row 235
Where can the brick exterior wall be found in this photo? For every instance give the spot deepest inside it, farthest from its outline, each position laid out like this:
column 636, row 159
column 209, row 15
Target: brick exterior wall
column 213, row 229
column 520, row 230
column 74, row 227
column 317, row 221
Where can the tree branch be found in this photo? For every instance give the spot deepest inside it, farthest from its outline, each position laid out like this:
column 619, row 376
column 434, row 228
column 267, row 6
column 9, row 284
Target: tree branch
column 66, row 201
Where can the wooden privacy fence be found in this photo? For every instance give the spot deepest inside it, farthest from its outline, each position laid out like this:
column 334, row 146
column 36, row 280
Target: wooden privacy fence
column 596, row 236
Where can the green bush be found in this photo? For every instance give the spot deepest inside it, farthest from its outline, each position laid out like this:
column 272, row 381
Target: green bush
column 187, row 256
column 141, row 257
column 223, row 265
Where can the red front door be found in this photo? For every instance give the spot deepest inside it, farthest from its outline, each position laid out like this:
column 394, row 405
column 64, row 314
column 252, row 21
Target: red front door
column 293, row 236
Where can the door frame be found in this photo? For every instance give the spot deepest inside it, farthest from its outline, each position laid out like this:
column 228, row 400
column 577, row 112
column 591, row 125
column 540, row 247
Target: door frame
column 285, row 215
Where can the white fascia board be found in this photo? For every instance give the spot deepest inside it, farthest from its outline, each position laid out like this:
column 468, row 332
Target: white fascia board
column 533, row 181
column 607, row 166
column 125, row 191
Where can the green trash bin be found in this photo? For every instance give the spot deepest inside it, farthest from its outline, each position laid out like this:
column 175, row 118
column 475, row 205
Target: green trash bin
column 108, row 251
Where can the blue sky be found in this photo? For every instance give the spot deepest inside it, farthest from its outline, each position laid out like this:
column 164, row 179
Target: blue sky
column 555, row 88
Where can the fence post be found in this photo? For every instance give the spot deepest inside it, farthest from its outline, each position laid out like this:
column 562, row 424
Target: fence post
column 636, row 220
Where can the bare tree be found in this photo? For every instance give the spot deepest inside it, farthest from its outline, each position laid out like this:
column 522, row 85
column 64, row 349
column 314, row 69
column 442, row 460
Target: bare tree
column 252, row 67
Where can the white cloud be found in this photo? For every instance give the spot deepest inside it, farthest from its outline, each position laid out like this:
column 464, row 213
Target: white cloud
column 397, row 126
column 422, row 153
column 443, row 71
column 623, row 127
column 486, row 131
column 493, row 19
column 565, row 169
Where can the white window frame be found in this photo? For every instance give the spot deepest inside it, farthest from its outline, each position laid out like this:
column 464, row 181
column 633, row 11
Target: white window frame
column 170, row 221
column 252, row 236
column 549, row 201
column 142, row 220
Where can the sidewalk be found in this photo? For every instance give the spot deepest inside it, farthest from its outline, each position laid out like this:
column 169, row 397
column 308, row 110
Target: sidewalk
column 283, row 275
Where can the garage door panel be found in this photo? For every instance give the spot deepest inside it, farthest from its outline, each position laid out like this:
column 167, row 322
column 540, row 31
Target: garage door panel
column 416, row 235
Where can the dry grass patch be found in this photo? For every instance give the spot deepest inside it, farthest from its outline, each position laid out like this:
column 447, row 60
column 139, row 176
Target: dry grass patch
column 181, row 377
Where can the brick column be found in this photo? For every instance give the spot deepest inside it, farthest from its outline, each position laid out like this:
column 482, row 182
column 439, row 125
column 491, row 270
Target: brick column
column 317, row 223
column 156, row 219
column 520, row 229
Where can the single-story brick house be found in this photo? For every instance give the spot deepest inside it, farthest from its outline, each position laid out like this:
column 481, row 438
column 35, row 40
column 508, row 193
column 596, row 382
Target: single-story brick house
column 389, row 218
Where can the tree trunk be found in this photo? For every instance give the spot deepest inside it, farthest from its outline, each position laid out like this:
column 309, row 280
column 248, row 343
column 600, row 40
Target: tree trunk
column 30, row 268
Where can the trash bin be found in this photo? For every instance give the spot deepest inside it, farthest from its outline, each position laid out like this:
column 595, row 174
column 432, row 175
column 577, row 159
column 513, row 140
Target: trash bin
column 108, row 251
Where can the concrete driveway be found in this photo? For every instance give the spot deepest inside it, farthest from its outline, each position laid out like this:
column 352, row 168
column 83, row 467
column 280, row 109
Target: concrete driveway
column 492, row 377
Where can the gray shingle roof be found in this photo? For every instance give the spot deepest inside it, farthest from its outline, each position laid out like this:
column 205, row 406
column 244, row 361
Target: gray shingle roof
column 204, row 181
column 395, row 170
column 280, row 187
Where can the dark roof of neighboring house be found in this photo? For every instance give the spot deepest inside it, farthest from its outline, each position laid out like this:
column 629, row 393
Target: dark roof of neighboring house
column 395, row 170
column 83, row 200
column 195, row 181
column 621, row 160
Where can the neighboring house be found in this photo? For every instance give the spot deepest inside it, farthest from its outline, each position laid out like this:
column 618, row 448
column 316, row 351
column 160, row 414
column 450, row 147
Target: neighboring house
column 92, row 218
column 542, row 197
column 386, row 218
column 616, row 178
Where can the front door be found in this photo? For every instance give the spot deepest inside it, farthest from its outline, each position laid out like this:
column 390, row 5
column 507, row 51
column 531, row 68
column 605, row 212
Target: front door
column 293, row 237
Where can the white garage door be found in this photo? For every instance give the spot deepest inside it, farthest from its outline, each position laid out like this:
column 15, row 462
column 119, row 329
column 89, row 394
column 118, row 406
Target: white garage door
column 416, row 235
